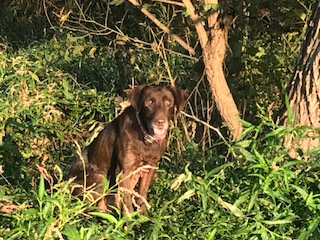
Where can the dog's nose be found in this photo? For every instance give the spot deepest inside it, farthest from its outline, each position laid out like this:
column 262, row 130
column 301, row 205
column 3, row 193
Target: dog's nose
column 160, row 122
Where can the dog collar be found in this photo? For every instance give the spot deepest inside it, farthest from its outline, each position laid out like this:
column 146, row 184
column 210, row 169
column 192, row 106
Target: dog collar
column 146, row 136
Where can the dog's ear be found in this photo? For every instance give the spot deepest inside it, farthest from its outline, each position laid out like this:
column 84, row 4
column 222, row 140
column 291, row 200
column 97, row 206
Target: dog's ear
column 134, row 95
column 180, row 97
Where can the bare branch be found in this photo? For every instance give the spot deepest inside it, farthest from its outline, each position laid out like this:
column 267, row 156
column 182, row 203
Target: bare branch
column 212, row 18
column 163, row 27
column 203, row 37
column 170, row 2
column 205, row 124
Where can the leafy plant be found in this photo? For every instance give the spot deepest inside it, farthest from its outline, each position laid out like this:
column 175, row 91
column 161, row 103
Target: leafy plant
column 58, row 88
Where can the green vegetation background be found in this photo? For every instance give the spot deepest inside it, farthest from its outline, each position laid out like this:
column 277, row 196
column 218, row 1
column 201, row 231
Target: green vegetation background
column 59, row 86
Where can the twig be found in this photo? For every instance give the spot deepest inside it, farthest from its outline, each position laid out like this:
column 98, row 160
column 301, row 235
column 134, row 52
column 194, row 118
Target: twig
column 136, row 194
column 144, row 168
column 47, row 176
column 203, row 37
column 171, row 2
column 205, row 124
column 45, row 9
column 163, row 27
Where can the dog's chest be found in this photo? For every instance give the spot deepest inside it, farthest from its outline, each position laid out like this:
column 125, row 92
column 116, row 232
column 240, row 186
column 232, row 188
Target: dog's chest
column 150, row 153
column 138, row 154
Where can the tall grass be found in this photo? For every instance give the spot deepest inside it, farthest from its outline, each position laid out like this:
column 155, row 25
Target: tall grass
column 250, row 189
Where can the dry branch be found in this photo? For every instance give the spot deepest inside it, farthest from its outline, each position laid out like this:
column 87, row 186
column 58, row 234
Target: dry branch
column 163, row 27
column 171, row 2
column 203, row 37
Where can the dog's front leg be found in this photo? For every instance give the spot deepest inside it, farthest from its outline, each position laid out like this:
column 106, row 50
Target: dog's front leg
column 144, row 184
column 128, row 181
column 126, row 188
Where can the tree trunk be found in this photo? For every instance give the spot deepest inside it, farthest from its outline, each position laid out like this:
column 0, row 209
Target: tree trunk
column 214, row 45
column 213, row 57
column 304, row 89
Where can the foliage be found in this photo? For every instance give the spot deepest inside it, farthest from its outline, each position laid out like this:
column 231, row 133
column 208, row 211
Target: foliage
column 264, row 47
column 38, row 97
column 59, row 84
column 263, row 44
column 261, row 194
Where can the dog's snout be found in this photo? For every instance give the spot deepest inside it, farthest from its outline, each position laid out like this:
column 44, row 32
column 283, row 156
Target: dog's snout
column 160, row 122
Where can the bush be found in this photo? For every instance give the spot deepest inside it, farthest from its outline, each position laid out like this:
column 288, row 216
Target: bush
column 59, row 90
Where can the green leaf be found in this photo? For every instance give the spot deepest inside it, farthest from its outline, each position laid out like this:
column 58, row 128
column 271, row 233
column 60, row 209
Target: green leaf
column 71, row 232
column 46, row 210
column 293, row 163
column 66, row 92
column 116, row 2
column 182, row 178
column 212, row 234
column 186, row 195
column 216, row 170
column 41, row 188
column 303, row 235
column 248, row 155
column 260, row 176
column 31, row 211
column 212, row 6
column 186, row 13
column 57, row 202
column 260, row 158
column 253, row 200
column 289, row 110
column 277, row 132
column 204, row 198
column 127, row 218
column 233, row 209
column 244, row 144
column 245, row 123
column 302, row 192
column 313, row 225
column 34, row 76
column 246, row 132
column 310, row 201
column 280, row 221
column 106, row 216
column 315, row 150
column 303, row 16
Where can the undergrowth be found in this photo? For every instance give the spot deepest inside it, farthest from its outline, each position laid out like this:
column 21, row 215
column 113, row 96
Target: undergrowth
column 54, row 95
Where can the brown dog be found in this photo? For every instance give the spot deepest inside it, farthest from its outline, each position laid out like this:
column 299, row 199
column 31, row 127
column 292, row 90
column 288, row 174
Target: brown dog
column 136, row 138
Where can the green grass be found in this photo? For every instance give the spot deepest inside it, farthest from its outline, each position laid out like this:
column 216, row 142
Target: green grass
column 53, row 95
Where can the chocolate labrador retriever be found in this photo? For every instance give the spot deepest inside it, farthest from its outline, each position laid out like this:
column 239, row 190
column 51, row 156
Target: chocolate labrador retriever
column 136, row 138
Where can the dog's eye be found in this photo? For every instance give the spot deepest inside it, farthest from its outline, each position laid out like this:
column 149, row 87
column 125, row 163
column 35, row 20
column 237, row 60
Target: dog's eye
column 150, row 101
column 168, row 102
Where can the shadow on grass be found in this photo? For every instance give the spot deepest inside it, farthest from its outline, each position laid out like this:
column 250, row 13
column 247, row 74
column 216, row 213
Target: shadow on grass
column 14, row 165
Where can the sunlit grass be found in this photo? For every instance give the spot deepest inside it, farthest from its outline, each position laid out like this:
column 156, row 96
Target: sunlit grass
column 250, row 189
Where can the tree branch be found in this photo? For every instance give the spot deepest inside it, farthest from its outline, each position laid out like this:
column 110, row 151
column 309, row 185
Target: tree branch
column 180, row 4
column 203, row 37
column 163, row 27
column 212, row 18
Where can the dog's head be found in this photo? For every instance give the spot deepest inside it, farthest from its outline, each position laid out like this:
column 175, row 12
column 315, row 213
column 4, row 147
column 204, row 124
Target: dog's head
column 155, row 106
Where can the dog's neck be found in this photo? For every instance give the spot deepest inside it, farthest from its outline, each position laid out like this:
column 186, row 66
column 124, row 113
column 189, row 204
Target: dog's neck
column 146, row 136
